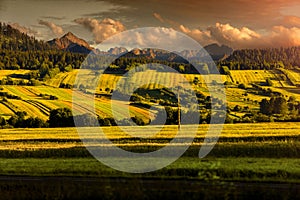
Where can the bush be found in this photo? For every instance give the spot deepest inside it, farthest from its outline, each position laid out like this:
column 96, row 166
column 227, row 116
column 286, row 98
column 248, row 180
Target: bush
column 227, row 83
column 140, row 121
column 242, row 86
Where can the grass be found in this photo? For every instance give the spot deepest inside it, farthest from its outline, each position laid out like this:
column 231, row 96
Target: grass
column 231, row 168
column 257, row 152
column 249, row 160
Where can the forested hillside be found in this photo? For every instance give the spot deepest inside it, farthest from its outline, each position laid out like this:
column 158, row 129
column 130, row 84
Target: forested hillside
column 20, row 51
column 14, row 40
column 263, row 58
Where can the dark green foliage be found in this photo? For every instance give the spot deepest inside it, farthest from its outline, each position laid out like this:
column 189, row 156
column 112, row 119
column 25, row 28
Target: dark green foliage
column 263, row 59
column 106, row 121
column 19, row 120
column 242, row 86
column 237, row 108
column 12, row 39
column 61, row 117
column 140, row 121
column 36, row 122
column 276, row 105
column 3, row 122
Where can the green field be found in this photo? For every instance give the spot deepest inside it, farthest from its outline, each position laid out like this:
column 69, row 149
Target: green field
column 257, row 152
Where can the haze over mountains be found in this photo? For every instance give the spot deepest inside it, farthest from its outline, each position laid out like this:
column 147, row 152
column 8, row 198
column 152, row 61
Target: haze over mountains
column 70, row 42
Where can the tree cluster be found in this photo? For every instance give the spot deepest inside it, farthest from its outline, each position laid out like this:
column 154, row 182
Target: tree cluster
column 19, row 120
column 263, row 59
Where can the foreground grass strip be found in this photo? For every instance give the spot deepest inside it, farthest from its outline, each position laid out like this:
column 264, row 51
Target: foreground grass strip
column 238, row 169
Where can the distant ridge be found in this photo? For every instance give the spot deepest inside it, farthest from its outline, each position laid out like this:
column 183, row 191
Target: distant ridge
column 215, row 51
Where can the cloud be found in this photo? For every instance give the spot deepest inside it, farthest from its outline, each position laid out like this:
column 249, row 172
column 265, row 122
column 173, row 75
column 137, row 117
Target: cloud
column 56, row 30
column 24, row 29
column 150, row 37
column 291, row 21
column 166, row 20
column 54, row 17
column 159, row 17
column 101, row 29
column 220, row 33
column 236, row 37
column 278, row 36
column 203, row 37
column 243, row 37
column 281, row 36
column 223, row 34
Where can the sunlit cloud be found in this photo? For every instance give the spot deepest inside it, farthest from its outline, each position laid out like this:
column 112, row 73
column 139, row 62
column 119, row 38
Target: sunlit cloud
column 203, row 37
column 243, row 37
column 235, row 37
column 281, row 36
column 291, row 21
column 101, row 29
column 156, row 37
column 56, row 30
column 159, row 17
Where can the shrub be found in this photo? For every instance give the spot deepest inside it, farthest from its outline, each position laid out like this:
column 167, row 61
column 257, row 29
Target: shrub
column 242, row 86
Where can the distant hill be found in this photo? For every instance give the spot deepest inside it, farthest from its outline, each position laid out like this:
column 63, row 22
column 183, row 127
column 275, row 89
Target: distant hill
column 70, row 42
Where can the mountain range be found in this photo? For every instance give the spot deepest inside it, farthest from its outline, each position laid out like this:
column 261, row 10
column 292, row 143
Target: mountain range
column 70, row 42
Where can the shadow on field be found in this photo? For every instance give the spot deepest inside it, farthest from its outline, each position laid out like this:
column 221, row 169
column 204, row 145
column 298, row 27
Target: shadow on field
column 135, row 188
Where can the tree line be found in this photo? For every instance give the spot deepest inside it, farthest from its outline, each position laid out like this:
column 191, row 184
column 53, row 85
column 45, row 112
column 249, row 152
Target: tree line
column 263, row 59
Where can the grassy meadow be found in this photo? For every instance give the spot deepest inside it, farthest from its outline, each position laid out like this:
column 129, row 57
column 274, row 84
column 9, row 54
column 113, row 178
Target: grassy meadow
column 257, row 153
column 264, row 152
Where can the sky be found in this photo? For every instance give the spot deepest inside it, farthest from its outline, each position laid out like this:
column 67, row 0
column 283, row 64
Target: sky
column 236, row 23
